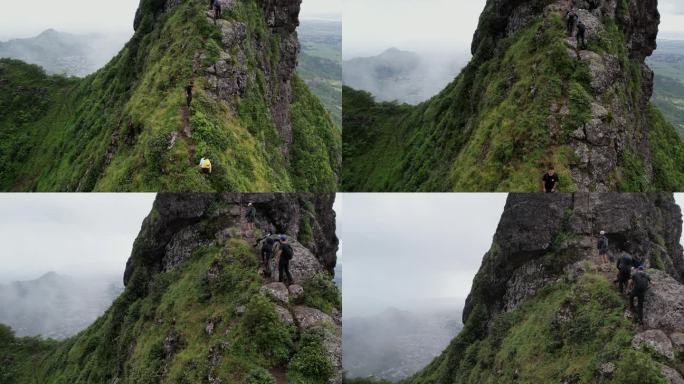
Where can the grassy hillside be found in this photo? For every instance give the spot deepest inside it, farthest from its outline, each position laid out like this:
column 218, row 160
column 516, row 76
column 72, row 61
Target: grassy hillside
column 123, row 128
column 533, row 344
column 509, row 115
column 320, row 63
column 203, row 319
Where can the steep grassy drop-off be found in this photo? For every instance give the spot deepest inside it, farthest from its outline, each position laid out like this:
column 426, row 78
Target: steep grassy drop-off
column 197, row 308
column 528, row 99
column 542, row 309
column 126, row 127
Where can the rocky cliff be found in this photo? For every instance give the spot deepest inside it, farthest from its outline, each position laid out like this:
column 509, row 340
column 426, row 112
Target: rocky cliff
column 530, row 98
column 544, row 309
column 128, row 127
column 198, row 307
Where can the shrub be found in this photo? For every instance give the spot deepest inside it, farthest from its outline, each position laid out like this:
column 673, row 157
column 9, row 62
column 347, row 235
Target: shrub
column 259, row 376
column 311, row 363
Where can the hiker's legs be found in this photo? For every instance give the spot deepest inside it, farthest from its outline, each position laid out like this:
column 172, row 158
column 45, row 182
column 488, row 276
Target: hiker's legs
column 281, row 270
column 640, row 306
column 287, row 272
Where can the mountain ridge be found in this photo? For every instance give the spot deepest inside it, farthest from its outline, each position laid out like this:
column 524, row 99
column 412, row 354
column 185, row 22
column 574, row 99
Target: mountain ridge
column 127, row 128
column 529, row 99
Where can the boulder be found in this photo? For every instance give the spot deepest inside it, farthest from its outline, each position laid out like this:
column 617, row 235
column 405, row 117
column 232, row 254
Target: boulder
column 670, row 374
column 664, row 302
column 655, row 339
column 678, row 341
column 277, row 291
column 310, row 317
column 296, row 291
column 285, row 315
column 303, row 266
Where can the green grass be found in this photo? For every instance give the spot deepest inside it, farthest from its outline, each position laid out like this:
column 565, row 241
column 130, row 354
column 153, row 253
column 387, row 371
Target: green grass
column 129, row 340
column 112, row 131
column 490, row 129
column 564, row 332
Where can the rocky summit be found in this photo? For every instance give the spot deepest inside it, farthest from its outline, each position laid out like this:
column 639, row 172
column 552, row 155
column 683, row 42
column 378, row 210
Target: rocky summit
column 136, row 125
column 531, row 98
column 199, row 306
column 544, row 308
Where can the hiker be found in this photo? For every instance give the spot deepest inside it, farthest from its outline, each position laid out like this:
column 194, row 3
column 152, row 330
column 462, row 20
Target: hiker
column 268, row 242
column 593, row 4
column 217, row 10
column 188, row 92
column 205, row 165
column 211, row 4
column 603, row 247
column 251, row 215
column 550, row 181
column 624, row 265
column 285, row 254
column 640, row 283
column 572, row 21
column 581, row 31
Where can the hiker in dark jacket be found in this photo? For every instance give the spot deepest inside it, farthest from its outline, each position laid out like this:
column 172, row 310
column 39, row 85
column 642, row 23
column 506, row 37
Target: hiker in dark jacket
column 602, row 247
column 624, row 265
column 188, row 93
column 251, row 216
column 217, row 10
column 267, row 245
column 285, row 254
column 640, row 283
column 581, row 32
column 572, row 21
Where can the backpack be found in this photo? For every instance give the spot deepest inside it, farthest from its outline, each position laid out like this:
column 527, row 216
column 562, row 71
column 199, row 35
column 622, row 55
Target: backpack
column 287, row 252
column 602, row 243
column 268, row 244
column 625, row 263
column 641, row 281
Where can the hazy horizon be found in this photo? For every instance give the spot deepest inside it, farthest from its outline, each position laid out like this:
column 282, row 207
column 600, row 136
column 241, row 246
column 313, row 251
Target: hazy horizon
column 437, row 26
column 77, row 235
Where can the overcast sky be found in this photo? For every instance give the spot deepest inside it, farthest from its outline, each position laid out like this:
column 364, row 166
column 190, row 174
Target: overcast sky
column 27, row 19
column 403, row 248
column 407, row 247
column 74, row 234
column 370, row 27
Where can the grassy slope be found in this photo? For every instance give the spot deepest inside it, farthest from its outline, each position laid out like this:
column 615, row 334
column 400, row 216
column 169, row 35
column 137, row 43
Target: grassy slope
column 320, row 64
column 537, row 345
column 489, row 129
column 128, row 341
column 136, row 102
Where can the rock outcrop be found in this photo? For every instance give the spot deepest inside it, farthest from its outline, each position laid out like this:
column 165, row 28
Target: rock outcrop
column 541, row 238
column 181, row 223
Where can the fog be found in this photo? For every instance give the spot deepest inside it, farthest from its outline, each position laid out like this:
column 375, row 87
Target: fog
column 80, row 235
column 403, row 250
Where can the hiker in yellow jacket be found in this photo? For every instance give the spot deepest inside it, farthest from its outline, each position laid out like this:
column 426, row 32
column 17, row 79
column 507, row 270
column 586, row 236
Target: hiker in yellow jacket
column 205, row 165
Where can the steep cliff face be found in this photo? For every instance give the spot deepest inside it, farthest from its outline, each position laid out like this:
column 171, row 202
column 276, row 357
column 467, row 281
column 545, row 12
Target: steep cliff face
column 199, row 308
column 530, row 98
column 544, row 309
column 127, row 127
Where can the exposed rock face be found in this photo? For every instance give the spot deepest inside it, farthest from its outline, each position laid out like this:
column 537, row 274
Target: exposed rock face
column 541, row 237
column 664, row 303
column 617, row 126
column 180, row 223
column 657, row 340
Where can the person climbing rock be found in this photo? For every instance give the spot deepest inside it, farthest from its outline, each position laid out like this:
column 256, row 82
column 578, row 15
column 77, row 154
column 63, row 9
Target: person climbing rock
column 571, row 22
column 285, row 254
column 640, row 282
column 217, row 10
column 251, row 215
column 581, row 31
column 594, row 4
column 188, row 93
column 267, row 245
column 624, row 266
column 550, row 181
column 205, row 165
column 602, row 246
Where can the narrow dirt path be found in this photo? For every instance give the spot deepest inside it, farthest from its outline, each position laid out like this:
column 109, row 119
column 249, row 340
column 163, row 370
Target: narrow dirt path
column 187, row 135
column 279, row 374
